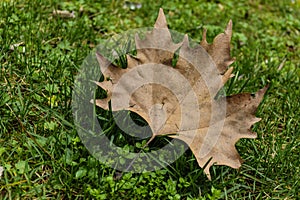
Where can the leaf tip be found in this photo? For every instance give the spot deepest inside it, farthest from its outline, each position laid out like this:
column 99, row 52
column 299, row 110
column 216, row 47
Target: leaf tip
column 185, row 40
column 102, row 103
column 264, row 89
column 204, row 41
column 103, row 62
column 228, row 29
column 161, row 21
column 260, row 93
column 227, row 75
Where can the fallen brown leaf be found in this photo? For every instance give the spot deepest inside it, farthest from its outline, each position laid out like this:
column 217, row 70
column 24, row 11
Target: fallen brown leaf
column 180, row 102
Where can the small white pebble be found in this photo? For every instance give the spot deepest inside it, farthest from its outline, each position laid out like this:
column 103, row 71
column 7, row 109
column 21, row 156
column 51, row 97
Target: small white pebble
column 1, row 171
column 63, row 13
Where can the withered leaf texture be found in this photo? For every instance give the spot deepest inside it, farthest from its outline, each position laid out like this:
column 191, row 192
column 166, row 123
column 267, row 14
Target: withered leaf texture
column 180, row 101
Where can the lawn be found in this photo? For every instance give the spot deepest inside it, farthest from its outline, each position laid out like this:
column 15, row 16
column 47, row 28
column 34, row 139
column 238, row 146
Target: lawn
column 41, row 153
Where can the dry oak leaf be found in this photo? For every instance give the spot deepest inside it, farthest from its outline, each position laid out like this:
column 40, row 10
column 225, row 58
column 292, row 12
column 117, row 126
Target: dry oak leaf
column 180, row 101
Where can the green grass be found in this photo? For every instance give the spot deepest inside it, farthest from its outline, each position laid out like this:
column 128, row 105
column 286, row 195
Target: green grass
column 40, row 150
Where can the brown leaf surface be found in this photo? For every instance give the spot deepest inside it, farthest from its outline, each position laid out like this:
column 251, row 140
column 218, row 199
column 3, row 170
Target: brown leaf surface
column 179, row 102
